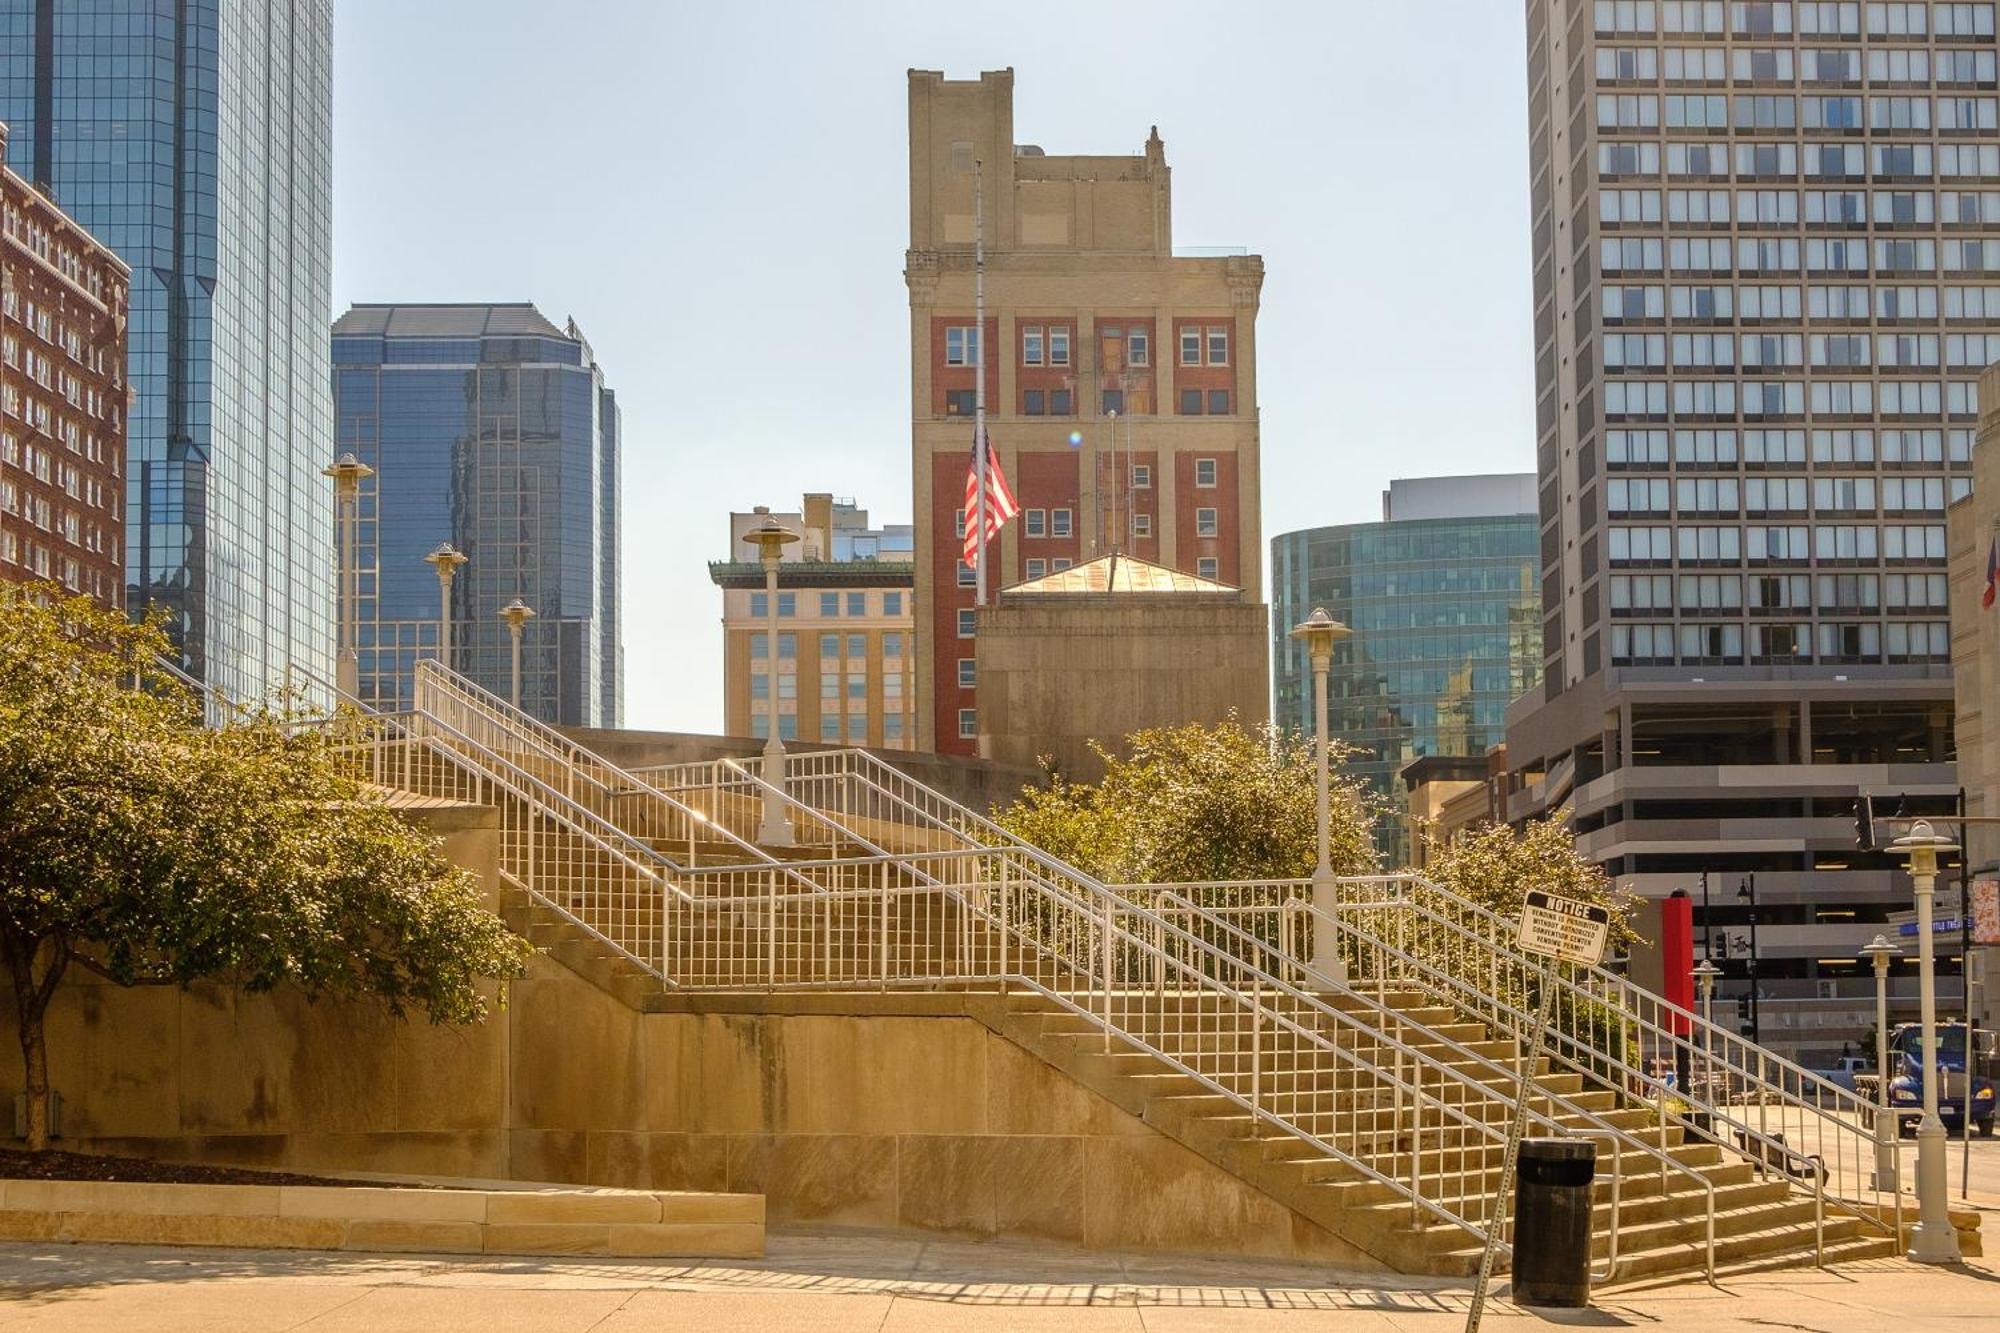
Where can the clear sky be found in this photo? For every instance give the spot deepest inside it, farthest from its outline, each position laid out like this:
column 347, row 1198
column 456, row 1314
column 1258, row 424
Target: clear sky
column 718, row 194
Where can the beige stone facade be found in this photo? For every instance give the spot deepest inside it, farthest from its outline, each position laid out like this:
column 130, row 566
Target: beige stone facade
column 845, row 643
column 1110, row 647
column 1088, row 309
column 1975, row 658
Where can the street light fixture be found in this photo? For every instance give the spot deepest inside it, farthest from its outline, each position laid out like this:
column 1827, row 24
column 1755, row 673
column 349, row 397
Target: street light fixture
column 1746, row 893
column 1706, row 973
column 517, row 614
column 1934, row 1241
column 1881, row 953
column 446, row 560
column 1319, row 632
column 347, row 473
column 771, row 540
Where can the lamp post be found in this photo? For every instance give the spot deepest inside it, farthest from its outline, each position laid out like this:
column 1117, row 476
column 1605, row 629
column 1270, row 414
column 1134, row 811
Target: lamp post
column 1319, row 632
column 347, row 473
column 771, row 541
column 1880, row 952
column 1934, row 1241
column 445, row 560
column 1706, row 973
column 517, row 614
column 1746, row 892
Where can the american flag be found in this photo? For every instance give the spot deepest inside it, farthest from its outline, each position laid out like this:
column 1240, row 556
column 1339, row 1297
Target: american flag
column 1000, row 502
column 1992, row 576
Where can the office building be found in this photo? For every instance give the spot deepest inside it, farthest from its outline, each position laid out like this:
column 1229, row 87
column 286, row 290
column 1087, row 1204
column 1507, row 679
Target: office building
column 1441, row 597
column 1765, row 244
column 195, row 141
column 62, row 398
column 842, row 674
column 1090, row 310
column 492, row 429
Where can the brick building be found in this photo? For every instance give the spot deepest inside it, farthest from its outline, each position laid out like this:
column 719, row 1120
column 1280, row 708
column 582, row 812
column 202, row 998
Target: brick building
column 62, row 397
column 1089, row 311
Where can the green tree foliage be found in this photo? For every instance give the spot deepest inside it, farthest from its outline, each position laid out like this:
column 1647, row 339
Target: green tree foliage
column 1192, row 803
column 1495, row 867
column 143, row 846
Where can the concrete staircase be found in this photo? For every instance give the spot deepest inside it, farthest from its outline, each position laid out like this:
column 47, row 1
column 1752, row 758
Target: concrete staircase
column 1760, row 1221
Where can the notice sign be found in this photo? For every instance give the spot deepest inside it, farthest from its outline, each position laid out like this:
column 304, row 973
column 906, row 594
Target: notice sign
column 1564, row 928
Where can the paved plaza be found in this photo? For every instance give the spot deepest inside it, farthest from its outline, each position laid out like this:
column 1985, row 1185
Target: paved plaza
column 882, row 1283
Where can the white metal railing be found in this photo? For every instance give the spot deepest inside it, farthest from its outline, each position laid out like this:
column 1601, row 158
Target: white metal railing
column 1404, row 931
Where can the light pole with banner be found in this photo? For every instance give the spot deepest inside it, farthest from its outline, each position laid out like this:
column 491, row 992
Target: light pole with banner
column 1934, row 1241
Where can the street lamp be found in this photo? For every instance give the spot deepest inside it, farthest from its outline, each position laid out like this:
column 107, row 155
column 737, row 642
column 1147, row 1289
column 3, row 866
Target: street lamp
column 1746, row 892
column 1706, row 974
column 1319, row 632
column 446, row 560
column 1880, row 952
column 347, row 473
column 771, row 541
column 1934, row 1241
column 517, row 614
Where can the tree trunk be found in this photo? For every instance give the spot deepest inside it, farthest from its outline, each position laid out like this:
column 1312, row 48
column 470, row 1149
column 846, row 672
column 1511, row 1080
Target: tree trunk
column 31, row 1003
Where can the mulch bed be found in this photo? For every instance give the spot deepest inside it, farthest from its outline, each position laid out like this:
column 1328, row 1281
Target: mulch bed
column 17, row 1165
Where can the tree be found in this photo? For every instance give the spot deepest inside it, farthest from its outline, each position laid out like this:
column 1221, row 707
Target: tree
column 1495, row 868
column 143, row 846
column 1195, row 803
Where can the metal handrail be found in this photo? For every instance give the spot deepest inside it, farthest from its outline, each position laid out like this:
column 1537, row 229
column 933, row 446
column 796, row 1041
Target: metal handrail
column 1523, row 1076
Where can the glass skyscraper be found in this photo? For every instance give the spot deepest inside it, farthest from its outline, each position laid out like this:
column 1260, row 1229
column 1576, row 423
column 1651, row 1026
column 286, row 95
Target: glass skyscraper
column 193, row 138
column 1442, row 600
column 490, row 428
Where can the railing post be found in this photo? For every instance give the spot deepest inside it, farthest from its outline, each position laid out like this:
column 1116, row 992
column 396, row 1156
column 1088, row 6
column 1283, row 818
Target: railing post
column 1003, row 924
column 882, row 875
column 1107, row 972
column 1256, row 1049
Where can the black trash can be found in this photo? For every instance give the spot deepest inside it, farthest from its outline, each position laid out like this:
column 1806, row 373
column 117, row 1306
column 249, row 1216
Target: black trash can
column 1552, row 1197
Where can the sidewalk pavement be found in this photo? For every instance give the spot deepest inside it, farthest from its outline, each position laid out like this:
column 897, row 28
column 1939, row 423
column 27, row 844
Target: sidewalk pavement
column 834, row 1283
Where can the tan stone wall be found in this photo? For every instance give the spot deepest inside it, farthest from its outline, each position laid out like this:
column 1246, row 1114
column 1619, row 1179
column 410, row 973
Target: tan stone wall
column 1058, row 672
column 859, row 1111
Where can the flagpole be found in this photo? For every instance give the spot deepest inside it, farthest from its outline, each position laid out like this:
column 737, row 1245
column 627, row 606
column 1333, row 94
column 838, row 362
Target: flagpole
column 979, row 374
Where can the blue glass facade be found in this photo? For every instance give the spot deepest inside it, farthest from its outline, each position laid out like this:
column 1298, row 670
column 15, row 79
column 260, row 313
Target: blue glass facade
column 492, row 429
column 1447, row 633
column 194, row 138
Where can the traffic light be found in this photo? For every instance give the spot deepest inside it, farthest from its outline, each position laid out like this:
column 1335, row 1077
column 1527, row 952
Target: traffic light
column 1864, row 824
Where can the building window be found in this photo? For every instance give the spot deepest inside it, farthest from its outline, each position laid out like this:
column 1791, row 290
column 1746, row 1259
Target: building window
column 788, row 647
column 759, row 647
column 1142, row 525
column 968, row 724
column 829, row 646
column 958, row 522
column 1060, row 521
column 892, row 645
column 1218, row 347
column 1037, row 568
column 760, row 606
column 857, row 686
column 1058, row 346
column 760, row 726
column 857, row 646
column 788, row 726
column 1208, row 567
column 1062, row 403
column 1032, row 345
column 968, row 577
column 968, row 673
column 1142, row 476
column 1034, row 523
column 1204, row 523
column 829, row 726
column 1204, row 472
column 1114, row 401
column 892, row 604
column 1034, row 403
column 857, row 726
column 760, row 687
column 1218, row 402
column 960, row 403
column 788, row 604
column 1138, row 348
column 829, row 604
column 857, row 604
column 1058, row 565
column 1190, row 346
column 961, row 346
column 968, row 622
column 892, row 727
column 1190, row 402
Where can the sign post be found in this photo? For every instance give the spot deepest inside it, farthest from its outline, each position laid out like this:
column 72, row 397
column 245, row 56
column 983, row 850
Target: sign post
column 1559, row 929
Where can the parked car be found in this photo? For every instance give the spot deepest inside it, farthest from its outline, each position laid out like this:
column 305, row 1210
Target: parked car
column 1906, row 1088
